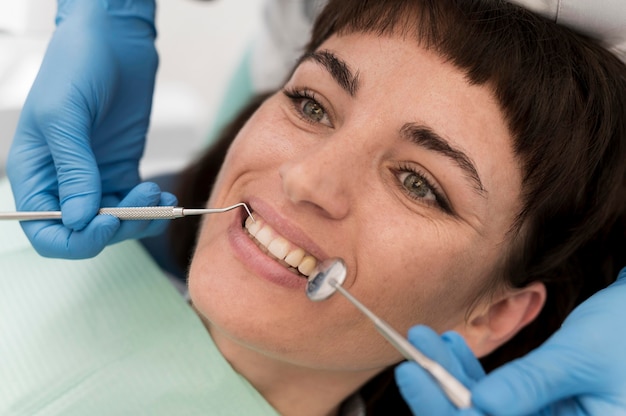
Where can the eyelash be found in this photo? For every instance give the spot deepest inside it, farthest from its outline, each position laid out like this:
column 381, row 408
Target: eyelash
column 297, row 96
column 440, row 200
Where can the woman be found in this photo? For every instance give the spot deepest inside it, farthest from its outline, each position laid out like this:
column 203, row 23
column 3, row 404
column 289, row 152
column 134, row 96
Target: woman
column 476, row 185
column 463, row 159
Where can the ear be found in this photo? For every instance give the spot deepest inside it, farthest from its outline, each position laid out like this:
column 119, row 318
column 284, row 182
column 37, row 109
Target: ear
column 491, row 325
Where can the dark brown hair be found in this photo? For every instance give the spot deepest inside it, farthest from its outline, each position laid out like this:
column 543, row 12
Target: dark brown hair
column 564, row 98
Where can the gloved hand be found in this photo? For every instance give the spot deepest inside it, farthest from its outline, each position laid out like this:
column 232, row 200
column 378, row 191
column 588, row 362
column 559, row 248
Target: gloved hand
column 82, row 129
column 580, row 370
column 418, row 388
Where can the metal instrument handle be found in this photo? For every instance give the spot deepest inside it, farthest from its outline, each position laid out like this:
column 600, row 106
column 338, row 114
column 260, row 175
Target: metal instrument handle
column 453, row 388
column 126, row 213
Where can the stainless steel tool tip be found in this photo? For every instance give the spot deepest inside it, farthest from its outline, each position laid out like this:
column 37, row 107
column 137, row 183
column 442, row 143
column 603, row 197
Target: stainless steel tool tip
column 319, row 286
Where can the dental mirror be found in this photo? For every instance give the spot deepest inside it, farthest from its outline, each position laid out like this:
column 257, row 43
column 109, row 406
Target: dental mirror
column 327, row 278
column 319, row 286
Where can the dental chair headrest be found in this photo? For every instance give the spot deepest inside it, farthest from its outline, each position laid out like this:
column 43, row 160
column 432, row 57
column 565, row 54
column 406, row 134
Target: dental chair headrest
column 604, row 20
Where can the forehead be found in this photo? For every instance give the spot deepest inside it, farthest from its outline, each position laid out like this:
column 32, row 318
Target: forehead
column 402, row 61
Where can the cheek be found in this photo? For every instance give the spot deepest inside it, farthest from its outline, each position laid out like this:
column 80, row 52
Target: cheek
column 429, row 279
column 257, row 152
column 428, row 300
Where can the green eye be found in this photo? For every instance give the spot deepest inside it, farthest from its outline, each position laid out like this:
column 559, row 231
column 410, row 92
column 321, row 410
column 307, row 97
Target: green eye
column 308, row 107
column 417, row 186
column 313, row 110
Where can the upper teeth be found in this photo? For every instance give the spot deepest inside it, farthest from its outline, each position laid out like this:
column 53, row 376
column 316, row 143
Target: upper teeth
column 280, row 247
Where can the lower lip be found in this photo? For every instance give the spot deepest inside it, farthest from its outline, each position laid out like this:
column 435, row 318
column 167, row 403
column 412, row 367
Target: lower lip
column 258, row 262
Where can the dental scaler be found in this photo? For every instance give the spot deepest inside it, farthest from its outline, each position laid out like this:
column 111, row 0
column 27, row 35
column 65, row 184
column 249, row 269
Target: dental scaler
column 126, row 213
column 327, row 279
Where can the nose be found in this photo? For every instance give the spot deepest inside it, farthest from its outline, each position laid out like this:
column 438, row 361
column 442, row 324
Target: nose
column 321, row 178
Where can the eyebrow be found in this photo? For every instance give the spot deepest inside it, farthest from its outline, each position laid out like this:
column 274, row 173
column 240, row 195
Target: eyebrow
column 338, row 69
column 427, row 138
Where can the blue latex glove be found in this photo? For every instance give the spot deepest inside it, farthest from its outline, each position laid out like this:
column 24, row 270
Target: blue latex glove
column 419, row 390
column 82, row 130
column 580, row 370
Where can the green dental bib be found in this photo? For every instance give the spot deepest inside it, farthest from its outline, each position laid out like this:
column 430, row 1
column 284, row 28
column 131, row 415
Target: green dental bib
column 105, row 336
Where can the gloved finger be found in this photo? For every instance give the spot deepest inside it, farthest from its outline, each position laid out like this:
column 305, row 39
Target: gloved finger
column 144, row 194
column 154, row 227
column 471, row 366
column 427, row 341
column 421, row 392
column 52, row 239
column 118, row 177
column 33, row 178
column 64, row 119
column 433, row 346
column 529, row 384
column 157, row 227
column 443, row 350
column 79, row 195
column 34, row 183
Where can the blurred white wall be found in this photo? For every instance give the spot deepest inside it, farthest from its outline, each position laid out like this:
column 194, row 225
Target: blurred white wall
column 199, row 42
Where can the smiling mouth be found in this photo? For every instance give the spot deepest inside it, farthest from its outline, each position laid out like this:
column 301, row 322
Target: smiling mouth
column 292, row 257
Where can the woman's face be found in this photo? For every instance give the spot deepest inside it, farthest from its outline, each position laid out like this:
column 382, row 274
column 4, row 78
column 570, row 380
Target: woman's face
column 378, row 152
